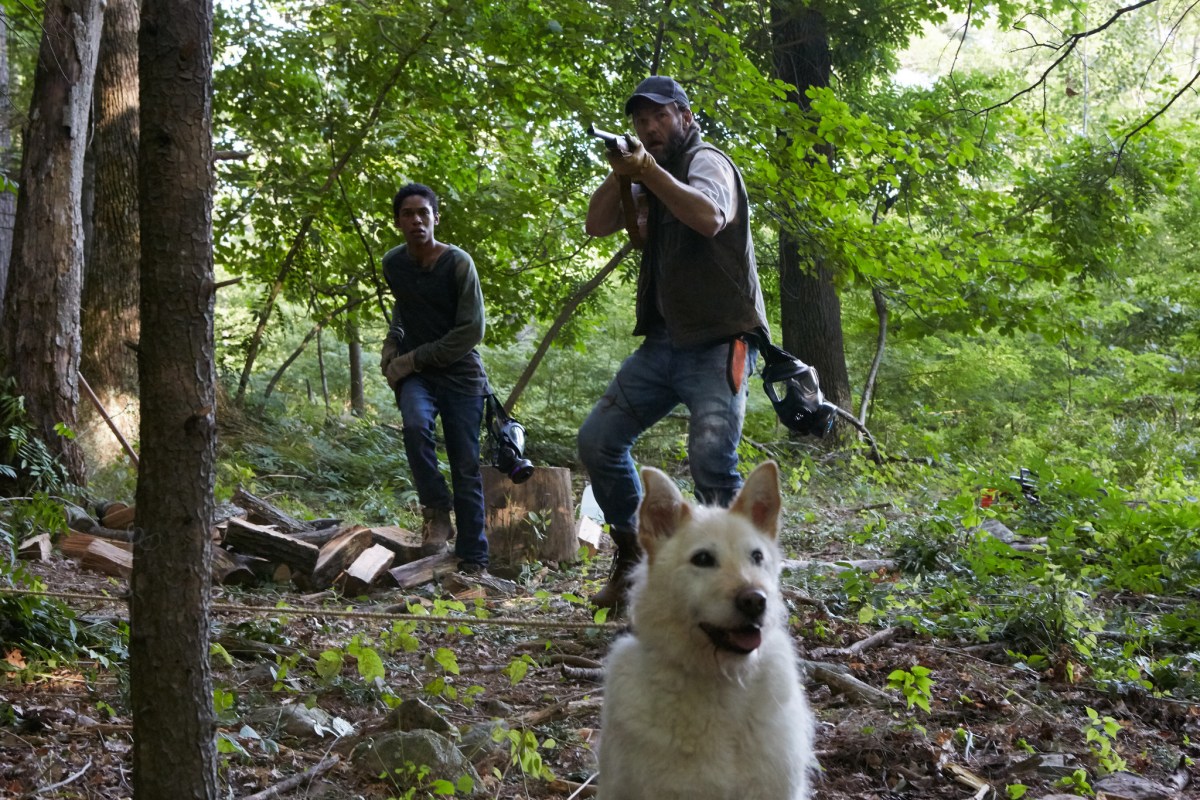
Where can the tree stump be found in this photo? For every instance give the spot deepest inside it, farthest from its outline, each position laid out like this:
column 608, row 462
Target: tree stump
column 530, row 521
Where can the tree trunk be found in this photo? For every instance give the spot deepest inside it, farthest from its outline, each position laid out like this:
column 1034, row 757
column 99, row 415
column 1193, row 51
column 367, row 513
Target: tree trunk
column 811, row 312
column 530, row 521
column 358, row 404
column 8, row 183
column 174, row 728
column 110, row 285
column 41, row 319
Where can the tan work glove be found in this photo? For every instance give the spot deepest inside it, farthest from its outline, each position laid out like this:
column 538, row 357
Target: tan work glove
column 632, row 164
column 391, row 348
column 398, row 369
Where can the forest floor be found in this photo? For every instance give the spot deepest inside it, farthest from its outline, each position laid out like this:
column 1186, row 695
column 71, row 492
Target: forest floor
column 992, row 723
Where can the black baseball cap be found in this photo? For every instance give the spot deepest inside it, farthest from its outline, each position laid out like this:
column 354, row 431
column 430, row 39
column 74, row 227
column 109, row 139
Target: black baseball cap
column 658, row 89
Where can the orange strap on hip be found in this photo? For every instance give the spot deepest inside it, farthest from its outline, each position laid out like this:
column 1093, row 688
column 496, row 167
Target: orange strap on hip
column 736, row 369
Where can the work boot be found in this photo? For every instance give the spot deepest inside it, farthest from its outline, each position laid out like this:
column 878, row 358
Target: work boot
column 436, row 531
column 627, row 556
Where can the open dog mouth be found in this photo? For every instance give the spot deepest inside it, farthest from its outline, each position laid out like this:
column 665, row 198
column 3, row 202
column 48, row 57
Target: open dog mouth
column 743, row 641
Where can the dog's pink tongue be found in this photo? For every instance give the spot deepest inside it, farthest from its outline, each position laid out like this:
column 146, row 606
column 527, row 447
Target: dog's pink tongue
column 747, row 639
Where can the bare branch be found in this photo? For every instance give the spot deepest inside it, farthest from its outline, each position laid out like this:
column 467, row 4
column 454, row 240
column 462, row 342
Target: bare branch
column 1067, row 47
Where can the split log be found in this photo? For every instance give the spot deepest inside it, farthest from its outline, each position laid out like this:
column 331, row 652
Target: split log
column 404, row 543
column 99, row 555
column 118, row 516
column 318, row 536
column 35, row 548
column 230, row 569
column 423, row 570
column 338, row 554
column 366, row 569
column 258, row 540
column 264, row 513
column 530, row 521
column 75, row 544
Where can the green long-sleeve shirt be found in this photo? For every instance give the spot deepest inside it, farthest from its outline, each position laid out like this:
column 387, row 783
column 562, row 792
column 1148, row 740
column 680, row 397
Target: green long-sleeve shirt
column 438, row 316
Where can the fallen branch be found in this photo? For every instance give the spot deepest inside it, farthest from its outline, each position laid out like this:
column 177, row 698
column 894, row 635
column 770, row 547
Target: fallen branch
column 593, row 674
column 52, row 787
column 295, row 780
column 836, row 678
column 874, row 640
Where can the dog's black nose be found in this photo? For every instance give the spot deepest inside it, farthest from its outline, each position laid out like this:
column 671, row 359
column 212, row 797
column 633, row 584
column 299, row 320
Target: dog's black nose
column 752, row 602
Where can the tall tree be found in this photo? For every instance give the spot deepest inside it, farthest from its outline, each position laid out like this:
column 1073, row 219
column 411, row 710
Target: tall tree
column 41, row 318
column 110, row 287
column 8, row 186
column 810, row 309
column 174, row 726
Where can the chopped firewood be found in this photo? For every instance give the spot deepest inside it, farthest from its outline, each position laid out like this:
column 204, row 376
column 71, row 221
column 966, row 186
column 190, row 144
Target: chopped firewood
column 75, row 544
column 118, row 516
column 111, row 558
column 318, row 536
column 35, row 548
column 366, row 569
column 264, row 513
column 338, row 554
column 590, row 534
column 423, row 570
column 258, row 540
column 404, row 543
column 231, row 569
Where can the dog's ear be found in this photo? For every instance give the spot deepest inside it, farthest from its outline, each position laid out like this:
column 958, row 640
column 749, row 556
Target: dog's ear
column 662, row 510
column 759, row 499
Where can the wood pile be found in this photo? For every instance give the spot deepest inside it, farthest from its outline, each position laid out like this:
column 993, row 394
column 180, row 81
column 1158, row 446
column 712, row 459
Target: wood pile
column 255, row 541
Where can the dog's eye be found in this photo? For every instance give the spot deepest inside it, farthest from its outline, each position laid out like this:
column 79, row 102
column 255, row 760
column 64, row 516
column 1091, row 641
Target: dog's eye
column 703, row 558
column 757, row 557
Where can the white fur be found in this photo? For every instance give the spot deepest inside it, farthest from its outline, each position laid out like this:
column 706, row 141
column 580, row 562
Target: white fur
column 684, row 719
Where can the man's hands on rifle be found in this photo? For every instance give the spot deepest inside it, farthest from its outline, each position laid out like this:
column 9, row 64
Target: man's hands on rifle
column 632, row 162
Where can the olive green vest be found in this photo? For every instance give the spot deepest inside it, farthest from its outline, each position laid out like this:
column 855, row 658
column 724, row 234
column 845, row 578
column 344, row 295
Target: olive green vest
column 704, row 289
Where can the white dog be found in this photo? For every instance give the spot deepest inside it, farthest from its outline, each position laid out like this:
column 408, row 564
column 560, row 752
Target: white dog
column 703, row 701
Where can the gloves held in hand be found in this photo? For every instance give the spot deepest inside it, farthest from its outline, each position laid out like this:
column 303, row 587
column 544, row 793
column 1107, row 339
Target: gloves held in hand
column 390, row 350
column 398, row 369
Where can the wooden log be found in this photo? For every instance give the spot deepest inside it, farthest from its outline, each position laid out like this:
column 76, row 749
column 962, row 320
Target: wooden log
column 35, row 548
column 319, row 536
column 530, row 521
column 264, row 513
column 231, row 569
column 338, row 554
column 404, row 543
column 107, row 557
column 118, row 516
column 258, row 540
column 423, row 570
column 371, row 564
column 75, row 544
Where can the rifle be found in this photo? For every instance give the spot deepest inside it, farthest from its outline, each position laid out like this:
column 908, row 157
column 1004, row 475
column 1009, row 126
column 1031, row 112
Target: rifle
column 618, row 142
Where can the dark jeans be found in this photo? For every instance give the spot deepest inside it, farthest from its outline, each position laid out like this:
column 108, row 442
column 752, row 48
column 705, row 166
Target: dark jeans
column 421, row 401
column 649, row 384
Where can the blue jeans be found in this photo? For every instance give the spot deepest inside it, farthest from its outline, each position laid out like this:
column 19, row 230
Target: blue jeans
column 649, row 384
column 421, row 401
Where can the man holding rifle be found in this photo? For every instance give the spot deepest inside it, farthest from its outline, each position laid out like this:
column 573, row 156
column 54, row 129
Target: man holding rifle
column 699, row 307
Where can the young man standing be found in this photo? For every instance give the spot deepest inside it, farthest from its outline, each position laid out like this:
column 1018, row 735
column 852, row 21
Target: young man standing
column 430, row 362
column 699, row 307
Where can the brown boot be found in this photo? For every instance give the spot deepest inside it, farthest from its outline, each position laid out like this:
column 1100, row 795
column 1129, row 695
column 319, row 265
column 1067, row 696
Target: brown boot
column 627, row 557
column 436, row 530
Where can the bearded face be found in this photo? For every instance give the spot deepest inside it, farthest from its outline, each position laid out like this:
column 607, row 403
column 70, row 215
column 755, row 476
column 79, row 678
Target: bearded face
column 662, row 129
